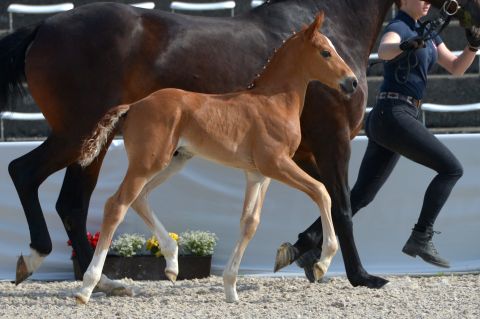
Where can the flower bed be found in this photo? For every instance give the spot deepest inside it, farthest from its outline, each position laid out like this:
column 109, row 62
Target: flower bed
column 148, row 267
column 134, row 257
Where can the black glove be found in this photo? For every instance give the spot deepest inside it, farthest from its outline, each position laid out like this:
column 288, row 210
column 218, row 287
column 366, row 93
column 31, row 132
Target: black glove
column 412, row 44
column 473, row 36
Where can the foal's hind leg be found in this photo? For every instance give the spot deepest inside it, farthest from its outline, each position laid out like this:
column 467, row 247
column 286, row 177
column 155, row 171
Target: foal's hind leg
column 168, row 246
column 28, row 173
column 256, row 188
column 285, row 170
column 115, row 209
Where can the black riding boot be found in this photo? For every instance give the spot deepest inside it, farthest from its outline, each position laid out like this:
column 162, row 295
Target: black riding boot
column 420, row 243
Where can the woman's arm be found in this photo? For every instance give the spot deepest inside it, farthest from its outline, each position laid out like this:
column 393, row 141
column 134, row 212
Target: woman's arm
column 389, row 46
column 456, row 65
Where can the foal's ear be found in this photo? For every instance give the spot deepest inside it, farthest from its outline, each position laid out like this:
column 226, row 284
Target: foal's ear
column 316, row 25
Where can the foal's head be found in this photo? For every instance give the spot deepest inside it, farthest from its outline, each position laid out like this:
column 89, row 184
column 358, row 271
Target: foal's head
column 323, row 62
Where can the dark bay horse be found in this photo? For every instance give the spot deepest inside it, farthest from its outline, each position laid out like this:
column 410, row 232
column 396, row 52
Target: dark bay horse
column 256, row 130
column 81, row 63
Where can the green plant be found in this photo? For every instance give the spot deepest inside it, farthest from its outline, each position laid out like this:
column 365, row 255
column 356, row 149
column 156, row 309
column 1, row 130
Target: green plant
column 198, row 243
column 128, row 245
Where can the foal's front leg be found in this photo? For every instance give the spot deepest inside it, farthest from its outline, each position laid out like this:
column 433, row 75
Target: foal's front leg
column 257, row 186
column 289, row 173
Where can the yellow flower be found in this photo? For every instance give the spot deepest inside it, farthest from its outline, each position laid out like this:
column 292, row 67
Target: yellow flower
column 153, row 246
column 173, row 235
column 152, row 243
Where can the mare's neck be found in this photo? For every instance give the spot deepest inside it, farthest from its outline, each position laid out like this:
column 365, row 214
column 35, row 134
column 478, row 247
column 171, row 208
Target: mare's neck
column 352, row 25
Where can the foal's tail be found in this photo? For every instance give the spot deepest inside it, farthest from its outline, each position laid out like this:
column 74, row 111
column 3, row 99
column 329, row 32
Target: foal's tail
column 12, row 62
column 93, row 145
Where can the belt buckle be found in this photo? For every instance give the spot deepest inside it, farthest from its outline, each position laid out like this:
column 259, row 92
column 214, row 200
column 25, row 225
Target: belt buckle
column 392, row 95
column 413, row 101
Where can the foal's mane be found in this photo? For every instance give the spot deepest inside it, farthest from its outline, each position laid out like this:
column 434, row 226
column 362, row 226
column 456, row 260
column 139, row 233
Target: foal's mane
column 273, row 56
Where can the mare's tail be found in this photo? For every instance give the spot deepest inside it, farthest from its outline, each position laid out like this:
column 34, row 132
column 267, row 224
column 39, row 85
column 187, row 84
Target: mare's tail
column 93, row 145
column 12, row 62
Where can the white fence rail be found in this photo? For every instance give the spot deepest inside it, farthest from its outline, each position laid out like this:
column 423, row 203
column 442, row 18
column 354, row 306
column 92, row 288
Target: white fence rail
column 374, row 56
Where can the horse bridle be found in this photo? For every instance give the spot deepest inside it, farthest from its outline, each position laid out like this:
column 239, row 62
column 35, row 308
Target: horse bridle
column 428, row 30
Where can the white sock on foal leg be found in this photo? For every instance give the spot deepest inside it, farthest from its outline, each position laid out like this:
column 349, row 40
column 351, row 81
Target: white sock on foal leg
column 91, row 277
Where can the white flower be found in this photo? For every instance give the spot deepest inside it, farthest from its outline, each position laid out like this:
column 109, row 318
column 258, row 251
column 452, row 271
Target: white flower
column 128, row 245
column 198, row 243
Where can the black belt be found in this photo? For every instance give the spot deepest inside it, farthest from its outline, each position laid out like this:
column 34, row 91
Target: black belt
column 397, row 96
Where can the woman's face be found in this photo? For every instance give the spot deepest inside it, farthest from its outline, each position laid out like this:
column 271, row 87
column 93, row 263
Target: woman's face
column 415, row 8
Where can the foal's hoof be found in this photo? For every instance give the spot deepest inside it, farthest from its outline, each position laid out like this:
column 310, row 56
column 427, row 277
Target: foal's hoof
column 123, row 291
column 286, row 254
column 319, row 270
column 231, row 297
column 22, row 271
column 80, row 299
column 171, row 276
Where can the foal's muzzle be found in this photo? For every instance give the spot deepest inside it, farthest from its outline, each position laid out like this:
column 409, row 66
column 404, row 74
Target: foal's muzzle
column 349, row 85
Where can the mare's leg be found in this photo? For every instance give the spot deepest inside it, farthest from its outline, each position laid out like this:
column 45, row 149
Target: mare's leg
column 115, row 209
column 256, row 188
column 73, row 203
column 28, row 173
column 167, row 245
column 285, row 170
column 72, row 207
column 334, row 173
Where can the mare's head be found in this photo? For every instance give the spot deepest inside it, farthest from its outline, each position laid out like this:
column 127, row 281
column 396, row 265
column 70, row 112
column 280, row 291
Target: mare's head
column 323, row 62
column 467, row 11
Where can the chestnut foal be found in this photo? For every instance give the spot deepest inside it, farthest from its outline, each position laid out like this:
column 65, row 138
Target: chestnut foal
column 257, row 130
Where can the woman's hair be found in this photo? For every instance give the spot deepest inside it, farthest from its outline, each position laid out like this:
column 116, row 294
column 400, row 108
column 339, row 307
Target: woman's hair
column 398, row 3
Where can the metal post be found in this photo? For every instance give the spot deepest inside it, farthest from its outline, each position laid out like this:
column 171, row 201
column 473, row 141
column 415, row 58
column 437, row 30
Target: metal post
column 1, row 128
column 10, row 21
column 423, row 117
column 233, row 13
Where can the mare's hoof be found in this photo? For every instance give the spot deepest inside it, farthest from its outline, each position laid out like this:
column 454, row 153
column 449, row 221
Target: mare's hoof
column 367, row 280
column 22, row 271
column 309, row 273
column 307, row 261
column 171, row 276
column 286, row 254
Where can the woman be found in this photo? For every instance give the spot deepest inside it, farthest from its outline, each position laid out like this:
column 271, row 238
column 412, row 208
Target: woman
column 394, row 129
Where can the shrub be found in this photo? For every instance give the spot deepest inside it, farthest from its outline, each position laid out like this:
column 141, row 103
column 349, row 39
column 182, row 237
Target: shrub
column 198, row 243
column 128, row 245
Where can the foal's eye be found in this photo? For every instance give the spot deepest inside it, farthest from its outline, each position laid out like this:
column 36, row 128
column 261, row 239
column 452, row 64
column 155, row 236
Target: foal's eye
column 326, row 53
